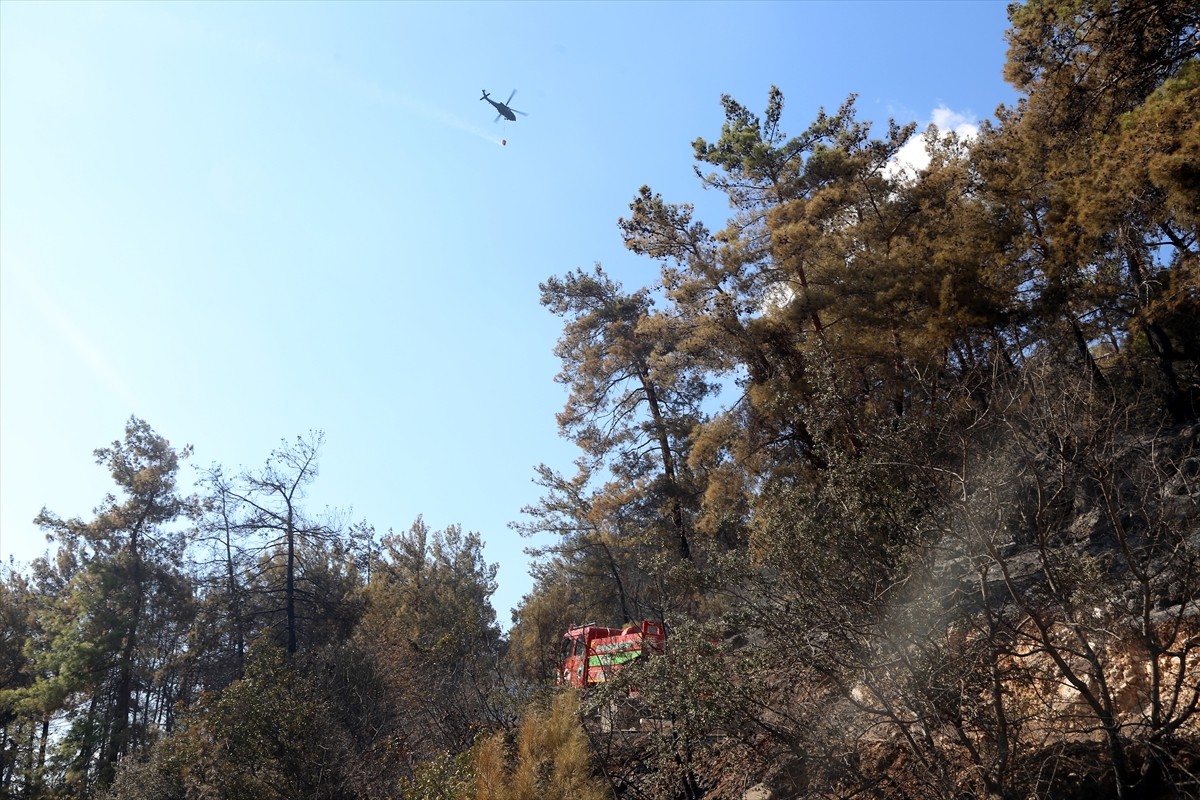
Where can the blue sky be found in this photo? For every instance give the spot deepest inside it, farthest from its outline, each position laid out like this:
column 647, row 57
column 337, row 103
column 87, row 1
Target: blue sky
column 244, row 221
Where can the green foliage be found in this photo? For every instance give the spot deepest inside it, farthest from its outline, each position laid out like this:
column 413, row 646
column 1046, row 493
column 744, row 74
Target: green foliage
column 158, row 776
column 445, row 777
column 267, row 735
column 16, row 628
column 1110, row 250
column 96, row 648
column 430, row 633
column 536, row 636
column 634, row 398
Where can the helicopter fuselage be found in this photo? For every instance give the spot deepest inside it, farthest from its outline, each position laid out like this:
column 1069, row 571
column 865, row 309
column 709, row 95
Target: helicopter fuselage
column 502, row 108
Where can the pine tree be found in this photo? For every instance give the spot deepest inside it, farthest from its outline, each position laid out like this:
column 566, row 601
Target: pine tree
column 117, row 626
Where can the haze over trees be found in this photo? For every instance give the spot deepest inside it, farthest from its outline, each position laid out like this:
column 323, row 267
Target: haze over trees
column 907, row 460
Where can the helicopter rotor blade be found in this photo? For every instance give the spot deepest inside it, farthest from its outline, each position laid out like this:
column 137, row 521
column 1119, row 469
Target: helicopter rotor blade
column 510, row 97
column 522, row 113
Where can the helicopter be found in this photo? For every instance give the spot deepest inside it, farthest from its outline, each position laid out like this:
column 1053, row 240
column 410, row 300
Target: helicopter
column 503, row 109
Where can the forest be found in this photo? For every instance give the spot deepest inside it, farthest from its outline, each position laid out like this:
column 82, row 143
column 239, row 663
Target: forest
column 906, row 461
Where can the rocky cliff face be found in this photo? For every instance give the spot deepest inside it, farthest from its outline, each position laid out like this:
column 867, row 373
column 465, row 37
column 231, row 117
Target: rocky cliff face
column 1050, row 647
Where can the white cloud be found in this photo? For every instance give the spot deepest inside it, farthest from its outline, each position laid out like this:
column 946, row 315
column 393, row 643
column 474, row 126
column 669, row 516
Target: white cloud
column 949, row 120
column 912, row 157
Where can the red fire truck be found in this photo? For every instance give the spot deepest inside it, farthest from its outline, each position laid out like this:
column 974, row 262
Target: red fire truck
column 592, row 654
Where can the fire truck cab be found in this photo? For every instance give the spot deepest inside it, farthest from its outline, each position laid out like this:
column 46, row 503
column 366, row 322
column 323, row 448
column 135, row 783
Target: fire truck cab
column 593, row 654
